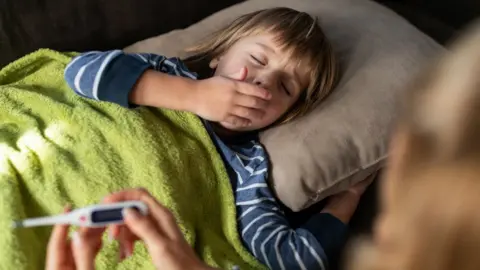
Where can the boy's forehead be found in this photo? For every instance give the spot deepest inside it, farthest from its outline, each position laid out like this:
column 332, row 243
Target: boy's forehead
column 271, row 43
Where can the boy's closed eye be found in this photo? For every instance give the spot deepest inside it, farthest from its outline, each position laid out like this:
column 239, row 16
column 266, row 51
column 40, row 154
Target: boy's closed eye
column 285, row 88
column 258, row 60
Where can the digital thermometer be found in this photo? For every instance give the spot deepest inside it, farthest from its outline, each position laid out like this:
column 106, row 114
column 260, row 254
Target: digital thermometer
column 99, row 215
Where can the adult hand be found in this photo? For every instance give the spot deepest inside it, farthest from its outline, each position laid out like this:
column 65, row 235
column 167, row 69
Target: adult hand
column 230, row 100
column 76, row 254
column 158, row 230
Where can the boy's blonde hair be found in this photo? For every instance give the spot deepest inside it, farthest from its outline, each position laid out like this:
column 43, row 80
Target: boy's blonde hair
column 432, row 220
column 297, row 32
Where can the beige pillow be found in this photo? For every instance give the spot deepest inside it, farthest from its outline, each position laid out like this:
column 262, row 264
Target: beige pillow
column 344, row 139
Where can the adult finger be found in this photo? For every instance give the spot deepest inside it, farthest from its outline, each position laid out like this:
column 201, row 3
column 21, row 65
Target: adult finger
column 251, row 101
column 144, row 227
column 58, row 238
column 123, row 235
column 86, row 243
column 125, row 195
column 164, row 218
column 126, row 239
column 57, row 247
column 159, row 213
column 247, row 113
column 253, row 90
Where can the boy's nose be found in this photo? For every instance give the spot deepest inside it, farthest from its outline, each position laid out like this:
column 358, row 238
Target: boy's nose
column 262, row 82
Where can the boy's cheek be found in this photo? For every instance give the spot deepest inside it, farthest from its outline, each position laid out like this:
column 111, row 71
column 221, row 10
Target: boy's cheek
column 233, row 67
column 278, row 108
column 272, row 114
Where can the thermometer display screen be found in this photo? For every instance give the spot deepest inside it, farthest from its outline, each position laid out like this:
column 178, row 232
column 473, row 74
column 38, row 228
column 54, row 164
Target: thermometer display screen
column 107, row 215
column 110, row 215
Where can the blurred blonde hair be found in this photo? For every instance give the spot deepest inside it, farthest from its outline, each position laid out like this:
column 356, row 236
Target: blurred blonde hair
column 431, row 221
column 296, row 32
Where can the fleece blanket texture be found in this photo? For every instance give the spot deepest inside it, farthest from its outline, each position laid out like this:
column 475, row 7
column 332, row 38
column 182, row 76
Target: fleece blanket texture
column 57, row 148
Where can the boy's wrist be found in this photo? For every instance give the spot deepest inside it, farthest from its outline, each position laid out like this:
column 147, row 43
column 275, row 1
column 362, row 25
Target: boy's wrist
column 143, row 93
column 183, row 93
column 193, row 97
column 162, row 90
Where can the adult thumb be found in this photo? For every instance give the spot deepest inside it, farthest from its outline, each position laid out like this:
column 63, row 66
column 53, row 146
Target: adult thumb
column 240, row 75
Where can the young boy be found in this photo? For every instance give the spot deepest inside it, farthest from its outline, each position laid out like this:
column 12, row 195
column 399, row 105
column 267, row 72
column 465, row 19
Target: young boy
column 268, row 67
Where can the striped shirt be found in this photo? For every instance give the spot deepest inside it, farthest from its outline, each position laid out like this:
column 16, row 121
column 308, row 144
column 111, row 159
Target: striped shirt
column 263, row 227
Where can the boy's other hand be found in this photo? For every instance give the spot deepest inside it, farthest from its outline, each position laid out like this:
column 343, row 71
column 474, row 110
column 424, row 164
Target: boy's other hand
column 344, row 204
column 360, row 187
column 230, row 99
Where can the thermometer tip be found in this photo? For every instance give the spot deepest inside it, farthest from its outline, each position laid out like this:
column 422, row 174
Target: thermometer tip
column 17, row 224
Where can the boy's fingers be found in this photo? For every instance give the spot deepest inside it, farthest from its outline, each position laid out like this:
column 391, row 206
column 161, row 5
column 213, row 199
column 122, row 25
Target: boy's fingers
column 251, row 102
column 240, row 75
column 247, row 113
column 237, row 121
column 367, row 181
column 253, row 90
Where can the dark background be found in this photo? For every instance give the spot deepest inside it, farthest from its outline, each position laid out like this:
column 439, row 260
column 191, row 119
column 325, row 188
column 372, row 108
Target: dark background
column 80, row 25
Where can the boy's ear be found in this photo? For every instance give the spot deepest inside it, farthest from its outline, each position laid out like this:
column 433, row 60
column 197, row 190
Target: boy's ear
column 214, row 63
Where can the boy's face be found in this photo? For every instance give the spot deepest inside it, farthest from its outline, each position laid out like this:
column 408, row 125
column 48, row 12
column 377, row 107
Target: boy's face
column 269, row 67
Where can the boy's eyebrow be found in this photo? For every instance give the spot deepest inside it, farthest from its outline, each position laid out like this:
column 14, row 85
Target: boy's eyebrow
column 265, row 47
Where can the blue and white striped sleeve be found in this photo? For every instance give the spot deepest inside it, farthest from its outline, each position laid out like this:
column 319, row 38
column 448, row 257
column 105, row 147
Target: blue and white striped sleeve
column 111, row 75
column 263, row 226
column 264, row 229
column 267, row 234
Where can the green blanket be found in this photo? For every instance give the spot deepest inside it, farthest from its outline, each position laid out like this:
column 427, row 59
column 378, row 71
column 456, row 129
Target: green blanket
column 58, row 148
